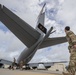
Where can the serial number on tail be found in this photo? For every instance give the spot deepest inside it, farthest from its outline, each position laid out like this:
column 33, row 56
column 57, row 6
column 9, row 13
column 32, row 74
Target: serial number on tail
column 42, row 28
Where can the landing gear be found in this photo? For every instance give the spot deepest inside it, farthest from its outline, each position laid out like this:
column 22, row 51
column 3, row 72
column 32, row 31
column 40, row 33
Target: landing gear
column 27, row 68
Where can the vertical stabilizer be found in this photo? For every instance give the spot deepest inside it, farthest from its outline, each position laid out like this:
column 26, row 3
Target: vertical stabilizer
column 40, row 23
column 41, row 16
column 41, row 19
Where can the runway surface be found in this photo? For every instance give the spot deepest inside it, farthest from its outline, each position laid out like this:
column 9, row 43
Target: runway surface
column 28, row 72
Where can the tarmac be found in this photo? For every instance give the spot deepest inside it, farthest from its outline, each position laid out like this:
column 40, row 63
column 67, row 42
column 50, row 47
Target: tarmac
column 28, row 72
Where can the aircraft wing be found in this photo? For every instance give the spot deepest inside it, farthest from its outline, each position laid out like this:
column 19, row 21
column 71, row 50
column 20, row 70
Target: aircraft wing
column 2, row 61
column 21, row 29
column 45, row 64
column 36, row 65
column 53, row 41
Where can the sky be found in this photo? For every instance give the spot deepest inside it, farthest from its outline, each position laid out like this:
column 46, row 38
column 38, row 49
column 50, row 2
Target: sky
column 59, row 13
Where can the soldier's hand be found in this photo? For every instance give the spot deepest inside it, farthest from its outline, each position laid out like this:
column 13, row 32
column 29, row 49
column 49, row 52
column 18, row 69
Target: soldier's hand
column 74, row 46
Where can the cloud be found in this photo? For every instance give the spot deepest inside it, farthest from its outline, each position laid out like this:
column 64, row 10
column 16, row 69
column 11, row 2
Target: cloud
column 59, row 13
column 52, row 54
column 67, row 14
column 10, row 46
column 24, row 9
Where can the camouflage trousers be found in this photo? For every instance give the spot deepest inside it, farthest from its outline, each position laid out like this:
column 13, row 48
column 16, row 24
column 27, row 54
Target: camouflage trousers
column 72, row 63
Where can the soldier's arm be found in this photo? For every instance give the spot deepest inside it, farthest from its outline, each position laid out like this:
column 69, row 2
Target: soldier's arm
column 73, row 38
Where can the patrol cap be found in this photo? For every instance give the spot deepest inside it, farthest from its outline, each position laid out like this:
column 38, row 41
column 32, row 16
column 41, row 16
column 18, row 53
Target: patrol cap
column 67, row 28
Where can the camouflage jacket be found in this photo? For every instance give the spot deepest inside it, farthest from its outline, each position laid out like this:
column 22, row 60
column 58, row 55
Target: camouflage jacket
column 71, row 38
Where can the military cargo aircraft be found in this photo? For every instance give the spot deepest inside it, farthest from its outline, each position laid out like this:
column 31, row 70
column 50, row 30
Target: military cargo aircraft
column 34, row 39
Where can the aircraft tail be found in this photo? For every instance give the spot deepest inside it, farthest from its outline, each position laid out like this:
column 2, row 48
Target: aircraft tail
column 40, row 23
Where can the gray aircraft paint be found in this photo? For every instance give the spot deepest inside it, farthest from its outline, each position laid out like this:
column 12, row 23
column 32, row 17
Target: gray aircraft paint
column 31, row 37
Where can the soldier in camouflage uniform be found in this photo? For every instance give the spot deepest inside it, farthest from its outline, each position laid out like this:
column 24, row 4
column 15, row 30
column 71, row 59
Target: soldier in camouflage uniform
column 21, row 65
column 71, row 38
column 14, row 63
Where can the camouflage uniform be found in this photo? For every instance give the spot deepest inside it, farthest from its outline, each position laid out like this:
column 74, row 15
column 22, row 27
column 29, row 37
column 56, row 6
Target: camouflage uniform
column 71, row 37
column 14, row 64
column 21, row 65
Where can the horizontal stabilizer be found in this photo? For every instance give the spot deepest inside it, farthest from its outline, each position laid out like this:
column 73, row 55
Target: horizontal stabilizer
column 53, row 41
column 21, row 29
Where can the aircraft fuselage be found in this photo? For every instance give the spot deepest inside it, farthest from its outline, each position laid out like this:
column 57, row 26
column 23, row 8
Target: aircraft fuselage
column 28, row 53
